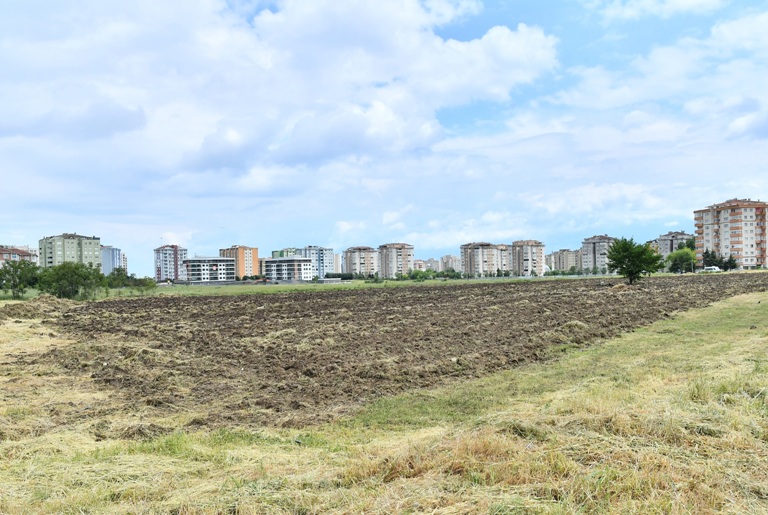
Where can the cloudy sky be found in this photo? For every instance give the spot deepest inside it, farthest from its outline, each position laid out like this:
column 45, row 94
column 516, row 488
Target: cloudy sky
column 337, row 123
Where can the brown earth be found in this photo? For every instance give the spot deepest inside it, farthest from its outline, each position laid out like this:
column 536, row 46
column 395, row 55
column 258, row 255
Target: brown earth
column 306, row 357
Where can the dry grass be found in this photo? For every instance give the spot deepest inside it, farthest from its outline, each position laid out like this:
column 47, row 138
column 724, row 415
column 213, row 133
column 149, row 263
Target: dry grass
column 672, row 418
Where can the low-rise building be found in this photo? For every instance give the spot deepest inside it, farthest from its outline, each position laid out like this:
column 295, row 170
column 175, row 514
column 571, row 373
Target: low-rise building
column 209, row 269
column 13, row 253
column 288, row 269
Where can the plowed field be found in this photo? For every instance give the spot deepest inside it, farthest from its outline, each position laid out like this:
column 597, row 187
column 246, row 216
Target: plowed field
column 299, row 358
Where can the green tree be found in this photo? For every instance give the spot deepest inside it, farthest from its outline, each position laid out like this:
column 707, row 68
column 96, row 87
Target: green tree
column 730, row 263
column 71, row 280
column 118, row 278
column 17, row 276
column 681, row 260
column 632, row 259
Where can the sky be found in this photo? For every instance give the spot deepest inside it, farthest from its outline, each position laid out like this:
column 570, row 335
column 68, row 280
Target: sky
column 341, row 123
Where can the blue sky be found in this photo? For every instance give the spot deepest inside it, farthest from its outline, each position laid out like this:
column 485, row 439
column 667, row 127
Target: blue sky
column 348, row 122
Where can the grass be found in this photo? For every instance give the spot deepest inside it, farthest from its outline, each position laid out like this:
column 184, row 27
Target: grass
column 672, row 418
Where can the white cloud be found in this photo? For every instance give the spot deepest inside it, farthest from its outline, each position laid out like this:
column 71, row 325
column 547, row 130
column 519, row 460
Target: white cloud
column 635, row 9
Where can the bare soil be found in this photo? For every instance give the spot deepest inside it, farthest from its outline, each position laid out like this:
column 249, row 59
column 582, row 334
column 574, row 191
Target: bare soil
column 307, row 357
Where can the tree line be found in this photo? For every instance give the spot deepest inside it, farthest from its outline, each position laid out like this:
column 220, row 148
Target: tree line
column 68, row 280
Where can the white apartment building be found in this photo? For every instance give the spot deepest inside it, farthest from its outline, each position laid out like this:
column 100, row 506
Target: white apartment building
column 287, row 269
column 169, row 263
column 594, row 252
column 735, row 228
column 361, row 260
column 210, row 269
column 395, row 259
column 70, row 247
column 322, row 259
column 527, row 258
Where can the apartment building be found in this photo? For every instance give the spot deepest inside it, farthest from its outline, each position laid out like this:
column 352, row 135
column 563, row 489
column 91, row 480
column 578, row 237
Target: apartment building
column 70, row 247
column 594, row 252
column 481, row 259
column 395, row 259
column 737, row 228
column 287, row 269
column 12, row 253
column 111, row 258
column 564, row 259
column 361, row 260
column 209, row 269
column 527, row 258
column 246, row 259
column 169, row 263
column 322, row 259
column 449, row 262
column 668, row 243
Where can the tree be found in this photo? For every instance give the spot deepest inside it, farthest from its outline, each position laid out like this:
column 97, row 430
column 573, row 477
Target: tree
column 70, row 280
column 632, row 259
column 17, row 276
column 681, row 260
column 118, row 278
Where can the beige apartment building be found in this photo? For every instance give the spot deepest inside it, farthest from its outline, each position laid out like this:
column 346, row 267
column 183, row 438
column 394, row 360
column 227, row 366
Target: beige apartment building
column 564, row 259
column 481, row 259
column 735, row 228
column 361, row 260
column 527, row 258
column 395, row 259
column 246, row 259
column 55, row 250
column 594, row 252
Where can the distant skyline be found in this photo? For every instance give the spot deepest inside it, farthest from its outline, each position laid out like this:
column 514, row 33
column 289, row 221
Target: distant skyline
column 341, row 123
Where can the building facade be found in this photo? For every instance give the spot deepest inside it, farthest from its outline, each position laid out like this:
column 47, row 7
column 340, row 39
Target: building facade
column 361, row 260
column 11, row 253
column 481, row 259
column 564, row 260
column 449, row 262
column 111, row 258
column 395, row 259
column 209, row 269
column 246, row 259
column 322, row 259
column 666, row 244
column 735, row 228
column 594, row 253
column 169, row 263
column 73, row 248
column 287, row 269
column 527, row 258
